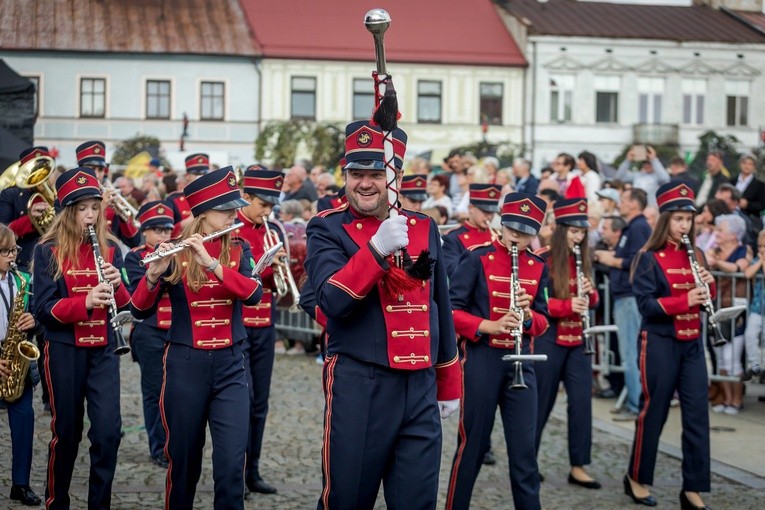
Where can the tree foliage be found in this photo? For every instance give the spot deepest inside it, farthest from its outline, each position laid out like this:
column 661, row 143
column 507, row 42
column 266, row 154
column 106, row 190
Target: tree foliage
column 505, row 151
column 133, row 146
column 280, row 142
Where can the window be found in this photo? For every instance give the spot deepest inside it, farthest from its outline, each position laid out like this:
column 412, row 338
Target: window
column 650, row 94
column 693, row 101
column 93, row 97
column 36, row 82
column 491, row 104
column 363, row 98
column 561, row 97
column 607, row 99
column 157, row 99
column 737, row 103
column 429, row 102
column 303, row 98
column 213, row 100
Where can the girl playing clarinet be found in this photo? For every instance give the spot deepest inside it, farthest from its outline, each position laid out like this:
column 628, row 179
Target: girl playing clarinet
column 204, row 374
column 567, row 362
column 73, row 300
column 669, row 289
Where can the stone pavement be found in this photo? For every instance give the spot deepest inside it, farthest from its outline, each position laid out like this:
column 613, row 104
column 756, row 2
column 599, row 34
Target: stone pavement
column 292, row 454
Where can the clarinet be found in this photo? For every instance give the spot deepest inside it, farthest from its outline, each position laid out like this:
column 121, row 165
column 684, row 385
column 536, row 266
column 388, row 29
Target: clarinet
column 581, row 294
column 116, row 319
column 714, row 331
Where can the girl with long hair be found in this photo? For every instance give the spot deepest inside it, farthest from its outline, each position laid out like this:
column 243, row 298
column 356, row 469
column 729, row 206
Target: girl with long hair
column 563, row 342
column 73, row 304
column 670, row 349
column 204, row 375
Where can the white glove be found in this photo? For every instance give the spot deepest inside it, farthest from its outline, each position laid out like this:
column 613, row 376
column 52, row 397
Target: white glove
column 447, row 407
column 391, row 236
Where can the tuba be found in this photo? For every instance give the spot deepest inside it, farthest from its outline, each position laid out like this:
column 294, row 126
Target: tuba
column 517, row 333
column 33, row 175
column 589, row 347
column 284, row 281
column 17, row 350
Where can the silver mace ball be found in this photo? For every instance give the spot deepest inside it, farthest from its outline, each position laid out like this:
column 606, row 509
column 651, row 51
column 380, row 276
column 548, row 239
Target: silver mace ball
column 377, row 21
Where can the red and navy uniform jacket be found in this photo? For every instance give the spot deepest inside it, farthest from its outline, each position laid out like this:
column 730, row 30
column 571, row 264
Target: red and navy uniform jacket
column 59, row 304
column 259, row 315
column 211, row 318
column 661, row 283
column 163, row 318
column 13, row 212
column 461, row 239
column 480, row 289
column 363, row 321
column 181, row 210
column 124, row 231
column 567, row 327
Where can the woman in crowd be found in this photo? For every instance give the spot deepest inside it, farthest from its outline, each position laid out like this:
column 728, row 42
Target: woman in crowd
column 563, row 342
column 730, row 256
column 754, row 323
column 204, row 379
column 436, row 189
column 671, row 353
column 705, row 223
column 73, row 304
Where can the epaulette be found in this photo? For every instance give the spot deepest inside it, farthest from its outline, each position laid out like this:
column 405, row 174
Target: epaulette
column 540, row 252
column 327, row 212
column 456, row 227
column 139, row 248
column 534, row 255
column 482, row 245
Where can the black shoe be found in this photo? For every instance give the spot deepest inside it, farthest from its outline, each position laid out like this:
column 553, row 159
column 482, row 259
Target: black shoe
column 686, row 504
column 647, row 501
column 24, row 494
column 161, row 461
column 260, row 486
column 488, row 458
column 587, row 484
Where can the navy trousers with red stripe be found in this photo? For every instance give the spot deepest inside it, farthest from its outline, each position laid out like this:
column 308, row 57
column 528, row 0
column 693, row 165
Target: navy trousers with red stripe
column 74, row 375
column 259, row 361
column 202, row 387
column 380, row 425
column 574, row 368
column 486, row 383
column 667, row 365
column 149, row 347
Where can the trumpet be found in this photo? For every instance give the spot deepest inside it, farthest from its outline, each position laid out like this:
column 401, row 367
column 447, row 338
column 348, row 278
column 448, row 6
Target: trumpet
column 182, row 245
column 122, row 207
column 284, row 281
column 715, row 332
column 517, row 333
column 116, row 318
column 589, row 348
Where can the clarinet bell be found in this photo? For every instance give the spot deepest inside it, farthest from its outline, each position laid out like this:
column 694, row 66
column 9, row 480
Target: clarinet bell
column 718, row 339
column 589, row 347
column 518, row 383
column 122, row 345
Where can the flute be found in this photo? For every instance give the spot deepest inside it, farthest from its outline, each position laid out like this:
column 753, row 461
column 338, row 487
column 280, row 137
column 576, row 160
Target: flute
column 156, row 255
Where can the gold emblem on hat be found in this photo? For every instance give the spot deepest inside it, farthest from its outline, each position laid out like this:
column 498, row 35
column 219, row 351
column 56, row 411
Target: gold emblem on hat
column 38, row 154
column 418, row 183
column 81, row 180
column 231, row 181
column 278, row 183
column 97, row 150
column 492, row 193
column 200, row 159
column 525, row 208
column 582, row 207
column 364, row 138
column 160, row 210
column 683, row 191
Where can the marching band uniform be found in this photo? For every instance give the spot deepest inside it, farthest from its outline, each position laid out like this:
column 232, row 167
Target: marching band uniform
column 205, row 378
column 480, row 291
column 80, row 363
column 391, row 360
column 331, row 200
column 14, row 213
column 670, row 353
column 93, row 155
column 412, row 192
column 196, row 164
column 259, row 319
column 486, row 198
column 21, row 414
column 564, row 345
column 148, row 337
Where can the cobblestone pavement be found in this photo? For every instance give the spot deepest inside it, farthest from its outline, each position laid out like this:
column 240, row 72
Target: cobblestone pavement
column 292, row 454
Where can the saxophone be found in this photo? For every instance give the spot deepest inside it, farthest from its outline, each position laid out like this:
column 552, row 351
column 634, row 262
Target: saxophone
column 17, row 350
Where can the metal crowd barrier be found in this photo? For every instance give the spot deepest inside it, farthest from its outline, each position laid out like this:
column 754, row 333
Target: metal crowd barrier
column 296, row 325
